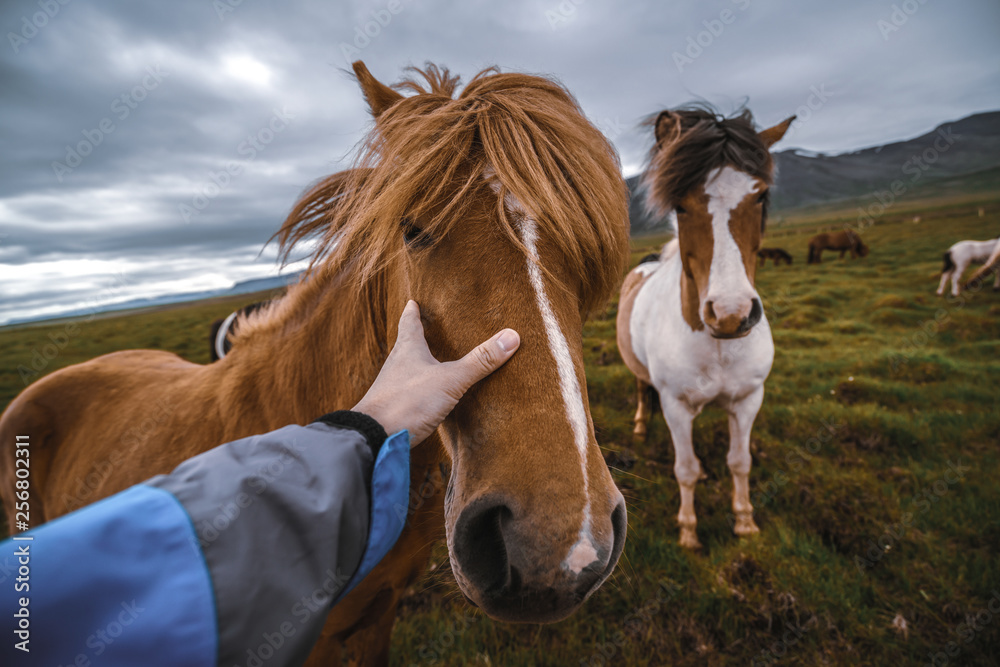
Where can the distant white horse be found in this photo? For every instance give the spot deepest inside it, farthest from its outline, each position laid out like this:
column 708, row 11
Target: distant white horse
column 690, row 323
column 961, row 255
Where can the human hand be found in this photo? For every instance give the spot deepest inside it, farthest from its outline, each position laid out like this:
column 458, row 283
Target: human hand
column 415, row 391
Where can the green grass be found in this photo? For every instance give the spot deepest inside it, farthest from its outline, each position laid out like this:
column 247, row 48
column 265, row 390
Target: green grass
column 877, row 386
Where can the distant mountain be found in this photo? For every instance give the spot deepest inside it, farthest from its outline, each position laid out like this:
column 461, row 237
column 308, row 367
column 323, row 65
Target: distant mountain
column 640, row 221
column 244, row 287
column 969, row 147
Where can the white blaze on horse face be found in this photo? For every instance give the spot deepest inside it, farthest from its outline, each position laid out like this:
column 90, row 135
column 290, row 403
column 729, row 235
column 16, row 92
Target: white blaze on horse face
column 729, row 289
column 583, row 552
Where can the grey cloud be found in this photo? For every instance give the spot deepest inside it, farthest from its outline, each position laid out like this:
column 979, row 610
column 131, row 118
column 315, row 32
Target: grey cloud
column 225, row 76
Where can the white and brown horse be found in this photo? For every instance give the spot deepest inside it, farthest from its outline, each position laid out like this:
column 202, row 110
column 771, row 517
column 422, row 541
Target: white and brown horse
column 691, row 324
column 960, row 256
column 500, row 206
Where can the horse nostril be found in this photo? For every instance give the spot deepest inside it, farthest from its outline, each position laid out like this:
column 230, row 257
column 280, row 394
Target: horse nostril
column 748, row 322
column 480, row 546
column 709, row 311
column 755, row 312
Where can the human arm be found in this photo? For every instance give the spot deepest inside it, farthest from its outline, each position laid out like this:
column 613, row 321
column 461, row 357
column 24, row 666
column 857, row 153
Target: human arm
column 240, row 551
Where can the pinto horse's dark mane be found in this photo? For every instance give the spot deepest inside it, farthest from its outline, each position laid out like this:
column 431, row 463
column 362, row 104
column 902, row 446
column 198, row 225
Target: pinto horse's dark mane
column 690, row 143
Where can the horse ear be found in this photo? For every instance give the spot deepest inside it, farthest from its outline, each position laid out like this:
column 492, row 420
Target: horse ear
column 378, row 95
column 667, row 126
column 773, row 135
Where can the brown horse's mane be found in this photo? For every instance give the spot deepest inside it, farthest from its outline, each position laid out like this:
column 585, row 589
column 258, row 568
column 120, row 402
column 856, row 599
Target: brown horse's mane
column 699, row 141
column 422, row 166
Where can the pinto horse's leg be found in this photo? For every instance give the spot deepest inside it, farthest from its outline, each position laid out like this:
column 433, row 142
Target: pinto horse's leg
column 687, row 467
column 944, row 281
column 644, row 410
column 741, row 418
column 956, row 277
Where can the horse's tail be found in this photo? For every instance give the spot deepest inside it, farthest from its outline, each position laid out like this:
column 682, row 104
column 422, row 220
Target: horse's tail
column 25, row 438
column 653, row 398
column 949, row 264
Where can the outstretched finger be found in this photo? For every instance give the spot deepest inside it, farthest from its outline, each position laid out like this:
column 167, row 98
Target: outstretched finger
column 410, row 327
column 486, row 358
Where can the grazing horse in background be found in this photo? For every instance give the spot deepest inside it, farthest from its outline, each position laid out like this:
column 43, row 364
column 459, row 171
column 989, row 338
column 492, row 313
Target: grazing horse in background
column 990, row 263
column 219, row 341
column 843, row 241
column 958, row 258
column 499, row 206
column 691, row 325
column 779, row 255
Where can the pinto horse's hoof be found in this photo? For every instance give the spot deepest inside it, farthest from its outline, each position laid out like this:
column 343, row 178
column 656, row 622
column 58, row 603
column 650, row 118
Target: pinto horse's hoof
column 745, row 525
column 689, row 538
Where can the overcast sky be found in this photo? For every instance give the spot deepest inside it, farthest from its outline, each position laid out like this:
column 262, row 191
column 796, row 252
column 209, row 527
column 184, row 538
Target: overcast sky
column 116, row 115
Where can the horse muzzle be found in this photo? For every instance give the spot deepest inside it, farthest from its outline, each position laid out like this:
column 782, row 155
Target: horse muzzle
column 729, row 325
column 507, row 564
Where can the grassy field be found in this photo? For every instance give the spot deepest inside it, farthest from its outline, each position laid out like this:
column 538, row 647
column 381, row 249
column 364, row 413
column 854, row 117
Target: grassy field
column 875, row 479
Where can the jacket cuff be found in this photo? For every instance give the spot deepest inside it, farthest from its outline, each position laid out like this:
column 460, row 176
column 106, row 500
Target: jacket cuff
column 373, row 432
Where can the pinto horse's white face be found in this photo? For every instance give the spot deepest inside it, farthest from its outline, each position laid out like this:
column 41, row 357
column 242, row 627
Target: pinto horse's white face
column 714, row 174
column 720, row 225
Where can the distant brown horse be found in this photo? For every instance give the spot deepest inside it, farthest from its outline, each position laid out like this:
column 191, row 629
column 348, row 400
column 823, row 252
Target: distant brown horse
column 779, row 255
column 499, row 207
column 843, row 241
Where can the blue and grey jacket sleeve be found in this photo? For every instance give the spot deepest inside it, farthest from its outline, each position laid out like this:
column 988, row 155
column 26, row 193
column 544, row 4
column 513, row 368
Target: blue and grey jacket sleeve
column 234, row 558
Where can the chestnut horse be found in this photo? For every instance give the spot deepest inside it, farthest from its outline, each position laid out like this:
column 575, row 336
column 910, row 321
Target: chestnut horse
column 502, row 206
column 843, row 241
column 690, row 324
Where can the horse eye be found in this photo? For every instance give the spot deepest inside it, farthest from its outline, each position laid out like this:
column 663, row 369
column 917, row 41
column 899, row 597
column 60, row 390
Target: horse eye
column 680, row 210
column 763, row 197
column 413, row 235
